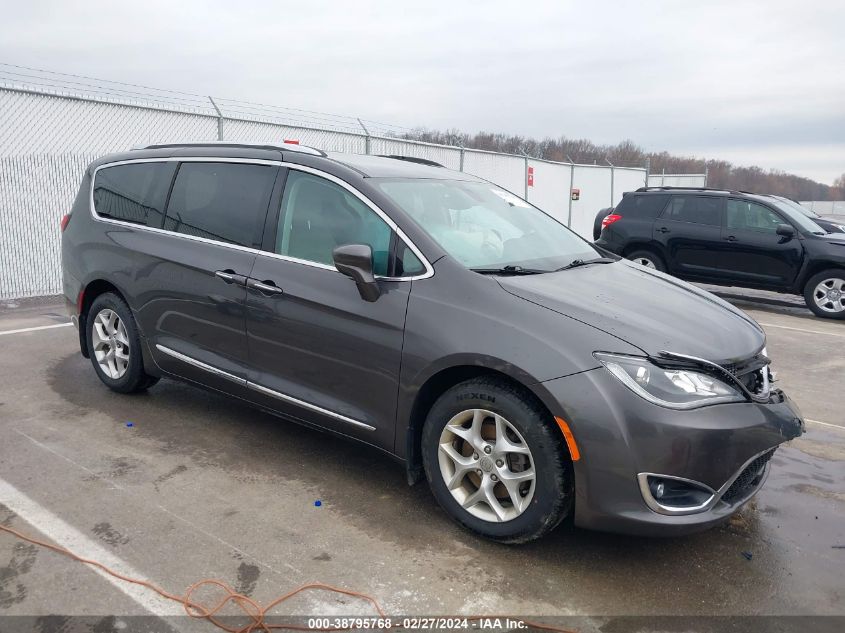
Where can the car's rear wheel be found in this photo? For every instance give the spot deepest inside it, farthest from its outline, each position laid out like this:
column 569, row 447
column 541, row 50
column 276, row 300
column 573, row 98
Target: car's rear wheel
column 114, row 345
column 824, row 294
column 495, row 462
column 648, row 259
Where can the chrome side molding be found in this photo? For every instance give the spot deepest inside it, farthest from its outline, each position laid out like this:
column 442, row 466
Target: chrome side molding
column 201, row 365
column 308, row 405
column 262, row 389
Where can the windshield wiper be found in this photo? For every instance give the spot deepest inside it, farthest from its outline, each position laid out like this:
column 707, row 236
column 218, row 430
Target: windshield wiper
column 509, row 270
column 575, row 263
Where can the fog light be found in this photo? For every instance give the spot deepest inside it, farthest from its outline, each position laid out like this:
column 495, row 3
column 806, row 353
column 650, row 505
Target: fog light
column 678, row 493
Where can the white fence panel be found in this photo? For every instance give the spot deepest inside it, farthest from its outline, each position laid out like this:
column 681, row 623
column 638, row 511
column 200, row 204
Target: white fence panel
column 624, row 180
column 504, row 170
column 550, row 191
column 677, row 180
column 826, row 207
column 593, row 184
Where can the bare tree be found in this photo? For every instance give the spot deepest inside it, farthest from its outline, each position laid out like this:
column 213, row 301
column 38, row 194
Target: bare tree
column 627, row 153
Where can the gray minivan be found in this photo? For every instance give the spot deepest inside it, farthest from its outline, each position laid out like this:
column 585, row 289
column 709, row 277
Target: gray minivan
column 529, row 376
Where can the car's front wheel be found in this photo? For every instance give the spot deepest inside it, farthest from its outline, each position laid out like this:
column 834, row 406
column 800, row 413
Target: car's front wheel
column 495, row 461
column 824, row 294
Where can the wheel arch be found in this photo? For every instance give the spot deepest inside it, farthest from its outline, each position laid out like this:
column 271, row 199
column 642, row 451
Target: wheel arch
column 90, row 291
column 813, row 269
column 441, row 381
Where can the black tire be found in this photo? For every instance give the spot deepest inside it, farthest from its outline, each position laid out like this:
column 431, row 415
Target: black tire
column 601, row 215
column 134, row 378
column 838, row 275
column 648, row 255
column 553, row 492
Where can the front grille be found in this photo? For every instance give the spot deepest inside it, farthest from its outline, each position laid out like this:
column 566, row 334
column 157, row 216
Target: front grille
column 751, row 374
column 748, row 479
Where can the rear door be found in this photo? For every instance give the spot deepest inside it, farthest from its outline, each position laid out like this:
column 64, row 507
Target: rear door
column 755, row 253
column 193, row 284
column 318, row 351
column 690, row 233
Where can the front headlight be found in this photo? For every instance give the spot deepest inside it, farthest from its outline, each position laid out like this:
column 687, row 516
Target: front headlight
column 671, row 388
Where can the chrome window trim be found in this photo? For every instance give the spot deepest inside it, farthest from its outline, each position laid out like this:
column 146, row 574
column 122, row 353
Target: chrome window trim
column 429, row 269
column 261, row 389
column 658, row 507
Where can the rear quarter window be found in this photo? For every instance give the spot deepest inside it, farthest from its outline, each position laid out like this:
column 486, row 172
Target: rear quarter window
column 641, row 207
column 134, row 193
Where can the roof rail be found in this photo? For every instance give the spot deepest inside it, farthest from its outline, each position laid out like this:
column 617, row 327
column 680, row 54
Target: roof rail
column 667, row 188
column 412, row 159
column 287, row 147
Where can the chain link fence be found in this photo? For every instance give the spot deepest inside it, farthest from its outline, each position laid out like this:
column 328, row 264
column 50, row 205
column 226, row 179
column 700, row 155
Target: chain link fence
column 53, row 125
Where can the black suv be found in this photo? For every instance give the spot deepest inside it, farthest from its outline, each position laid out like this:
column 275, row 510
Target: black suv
column 434, row 316
column 730, row 238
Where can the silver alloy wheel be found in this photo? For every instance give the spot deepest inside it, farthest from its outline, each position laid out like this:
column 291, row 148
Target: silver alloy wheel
column 645, row 261
column 829, row 295
column 486, row 465
column 111, row 343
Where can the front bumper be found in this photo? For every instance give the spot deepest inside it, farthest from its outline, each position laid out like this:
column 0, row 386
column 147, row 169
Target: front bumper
column 621, row 437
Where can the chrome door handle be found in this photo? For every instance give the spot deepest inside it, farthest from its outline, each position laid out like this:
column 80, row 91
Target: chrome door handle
column 264, row 288
column 230, row 277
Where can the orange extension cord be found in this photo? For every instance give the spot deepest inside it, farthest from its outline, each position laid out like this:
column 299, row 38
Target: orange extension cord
column 250, row 607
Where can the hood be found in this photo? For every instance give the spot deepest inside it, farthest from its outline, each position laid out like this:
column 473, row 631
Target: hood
column 646, row 308
column 833, row 238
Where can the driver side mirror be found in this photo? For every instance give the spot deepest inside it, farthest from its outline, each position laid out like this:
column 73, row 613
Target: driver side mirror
column 356, row 261
column 786, row 232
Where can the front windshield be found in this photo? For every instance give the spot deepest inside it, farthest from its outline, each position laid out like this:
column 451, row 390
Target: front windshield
column 798, row 207
column 485, row 227
column 804, row 223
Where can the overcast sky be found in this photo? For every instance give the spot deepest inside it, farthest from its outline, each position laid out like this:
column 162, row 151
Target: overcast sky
column 751, row 82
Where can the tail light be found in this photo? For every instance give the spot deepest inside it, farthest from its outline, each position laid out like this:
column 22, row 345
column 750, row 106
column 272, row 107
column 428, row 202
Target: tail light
column 610, row 219
column 65, row 220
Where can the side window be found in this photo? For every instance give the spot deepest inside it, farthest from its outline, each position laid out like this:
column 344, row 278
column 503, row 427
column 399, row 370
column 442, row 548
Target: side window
column 226, row 202
column 745, row 215
column 319, row 215
column 408, row 263
column 135, row 192
column 644, row 206
column 695, row 210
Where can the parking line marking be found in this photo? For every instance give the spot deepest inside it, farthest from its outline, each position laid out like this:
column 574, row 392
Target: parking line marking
column 191, row 524
column 35, row 329
column 70, row 538
column 798, row 329
column 835, row 426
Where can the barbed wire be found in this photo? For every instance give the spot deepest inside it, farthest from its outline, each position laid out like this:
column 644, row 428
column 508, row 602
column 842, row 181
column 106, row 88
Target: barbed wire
column 18, row 76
